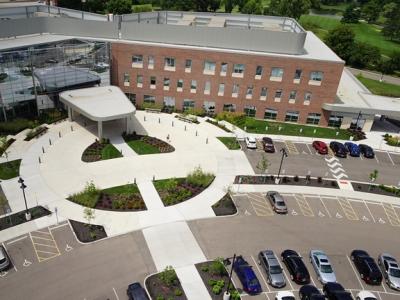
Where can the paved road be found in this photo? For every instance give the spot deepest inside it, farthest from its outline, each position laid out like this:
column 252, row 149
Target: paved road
column 302, row 160
column 248, row 233
column 375, row 76
column 56, row 266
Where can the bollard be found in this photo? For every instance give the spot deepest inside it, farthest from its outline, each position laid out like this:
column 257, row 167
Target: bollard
column 42, row 149
column 172, row 123
column 50, row 142
column 159, row 120
column 196, row 132
column 206, row 140
column 120, row 151
column 59, row 134
column 154, row 177
column 39, row 160
column 134, row 180
column 185, row 127
column 72, row 128
column 144, row 118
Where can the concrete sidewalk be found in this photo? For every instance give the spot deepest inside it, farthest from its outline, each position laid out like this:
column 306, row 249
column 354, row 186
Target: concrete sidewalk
column 150, row 195
column 118, row 142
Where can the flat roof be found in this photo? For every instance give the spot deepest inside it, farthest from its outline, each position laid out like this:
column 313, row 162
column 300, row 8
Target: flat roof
column 102, row 103
column 353, row 97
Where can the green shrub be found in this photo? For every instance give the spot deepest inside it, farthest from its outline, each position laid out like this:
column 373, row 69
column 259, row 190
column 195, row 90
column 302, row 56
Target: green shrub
column 199, row 178
column 235, row 295
column 217, row 267
column 15, row 126
column 216, row 289
column 178, row 292
column 88, row 197
column 150, row 105
column 171, row 184
column 34, row 132
column 142, row 8
column 195, row 112
column 168, row 276
column 160, row 297
column 235, row 118
column 204, row 268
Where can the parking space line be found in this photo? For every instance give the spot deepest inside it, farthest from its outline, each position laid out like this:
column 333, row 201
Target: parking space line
column 40, row 238
column 309, row 149
column 326, row 209
column 355, row 272
column 391, row 214
column 379, row 295
column 348, row 209
column 115, row 292
column 304, row 205
column 41, row 254
column 288, row 279
column 45, row 245
column 291, row 147
column 260, row 206
column 391, row 160
column 17, row 240
column 383, row 285
column 377, row 160
column 262, row 275
column 370, row 213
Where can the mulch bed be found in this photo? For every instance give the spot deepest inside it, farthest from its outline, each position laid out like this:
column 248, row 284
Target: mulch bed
column 86, row 233
column 375, row 189
column 162, row 146
column 157, row 288
column 223, row 127
column 286, row 180
column 93, row 152
column 132, row 202
column 19, row 217
column 36, row 132
column 225, row 206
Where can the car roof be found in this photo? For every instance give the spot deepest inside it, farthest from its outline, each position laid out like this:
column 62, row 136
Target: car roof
column 290, row 252
column 251, row 138
column 285, row 294
column 387, row 256
column 365, row 294
column 265, row 138
column 310, row 289
column 334, row 286
column 360, row 252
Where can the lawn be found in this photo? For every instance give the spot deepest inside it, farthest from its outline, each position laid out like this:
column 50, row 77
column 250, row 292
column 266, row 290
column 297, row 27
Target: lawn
column 109, row 152
column 368, row 33
column 100, row 150
column 380, row 88
column 9, row 169
column 230, row 142
column 331, row 9
column 141, row 147
column 127, row 189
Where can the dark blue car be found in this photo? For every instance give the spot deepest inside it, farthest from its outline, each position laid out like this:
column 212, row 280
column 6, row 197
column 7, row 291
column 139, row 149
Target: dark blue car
column 353, row 149
column 246, row 276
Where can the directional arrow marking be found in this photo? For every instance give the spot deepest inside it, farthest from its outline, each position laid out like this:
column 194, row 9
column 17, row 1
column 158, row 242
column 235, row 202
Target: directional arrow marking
column 3, row 273
column 335, row 171
column 331, row 159
column 69, row 248
column 340, row 176
column 246, row 212
column 335, row 164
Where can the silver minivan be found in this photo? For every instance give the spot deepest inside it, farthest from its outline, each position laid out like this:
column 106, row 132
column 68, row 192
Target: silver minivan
column 272, row 268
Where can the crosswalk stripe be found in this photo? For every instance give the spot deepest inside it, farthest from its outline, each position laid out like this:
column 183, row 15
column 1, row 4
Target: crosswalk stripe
column 348, row 209
column 291, row 147
column 391, row 214
column 304, row 206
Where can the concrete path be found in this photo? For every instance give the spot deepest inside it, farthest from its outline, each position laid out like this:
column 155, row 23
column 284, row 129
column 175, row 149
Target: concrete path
column 192, row 283
column 375, row 76
column 150, row 195
column 118, row 142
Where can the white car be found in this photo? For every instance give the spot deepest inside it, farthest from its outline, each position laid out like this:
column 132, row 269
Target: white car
column 284, row 295
column 365, row 295
column 251, row 143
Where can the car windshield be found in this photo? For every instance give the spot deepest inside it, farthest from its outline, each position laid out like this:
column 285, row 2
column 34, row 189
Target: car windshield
column 2, row 260
column 395, row 272
column 275, row 270
column 280, row 203
column 369, row 298
column 326, row 269
column 253, row 282
column 288, row 298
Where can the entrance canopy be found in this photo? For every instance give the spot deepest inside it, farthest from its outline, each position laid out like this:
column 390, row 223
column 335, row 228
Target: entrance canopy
column 99, row 104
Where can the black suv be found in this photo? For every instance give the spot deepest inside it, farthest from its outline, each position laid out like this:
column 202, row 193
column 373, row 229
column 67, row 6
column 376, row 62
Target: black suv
column 310, row 292
column 339, row 149
column 268, row 145
column 366, row 150
column 367, row 267
column 335, row 291
column 136, row 292
column 297, row 269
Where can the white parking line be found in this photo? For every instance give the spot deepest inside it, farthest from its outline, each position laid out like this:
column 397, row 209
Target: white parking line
column 379, row 295
column 17, row 240
column 326, row 209
column 377, row 160
column 288, row 279
column 370, row 213
column 308, row 147
column 15, row 268
column 259, row 270
column 383, row 285
column 116, row 295
column 390, row 158
column 355, row 272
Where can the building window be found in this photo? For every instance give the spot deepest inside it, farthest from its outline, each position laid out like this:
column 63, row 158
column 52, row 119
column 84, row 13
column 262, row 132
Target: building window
column 169, row 102
column 263, row 93
column 193, row 86
column 166, row 84
column 169, row 64
column 307, row 96
column 209, row 107
column 316, row 75
column 229, row 107
column 270, row 114
column 224, row 69
column 335, row 121
column 131, row 97
column 207, row 88
column 292, row 116
column 313, row 118
column 127, row 79
column 153, row 80
column 238, row 70
column 139, row 81
column 259, row 71
column 188, row 104
column 292, row 96
column 209, row 67
column 179, row 85
column 150, row 62
column 137, row 59
column 278, row 95
column 250, row 111
column 221, row 89
column 249, row 92
column 149, row 99
column 297, row 74
column 188, row 65
column 276, row 74
column 235, row 90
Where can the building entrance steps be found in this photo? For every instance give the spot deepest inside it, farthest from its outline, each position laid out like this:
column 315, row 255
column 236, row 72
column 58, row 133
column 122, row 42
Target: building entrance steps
column 150, row 195
column 118, row 142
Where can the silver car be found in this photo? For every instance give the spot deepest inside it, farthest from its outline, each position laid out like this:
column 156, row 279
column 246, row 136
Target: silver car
column 277, row 202
column 390, row 270
column 270, row 263
column 4, row 260
column 322, row 266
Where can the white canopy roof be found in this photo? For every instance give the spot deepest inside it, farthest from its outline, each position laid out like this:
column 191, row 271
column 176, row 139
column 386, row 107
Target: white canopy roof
column 102, row 103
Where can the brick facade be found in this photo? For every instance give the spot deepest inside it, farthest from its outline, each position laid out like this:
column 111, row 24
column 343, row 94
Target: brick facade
column 325, row 93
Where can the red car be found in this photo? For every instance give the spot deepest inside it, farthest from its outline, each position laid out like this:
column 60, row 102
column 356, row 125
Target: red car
column 320, row 147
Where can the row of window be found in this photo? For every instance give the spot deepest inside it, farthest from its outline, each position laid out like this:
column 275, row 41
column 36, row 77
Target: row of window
column 269, row 113
column 238, row 70
column 278, row 95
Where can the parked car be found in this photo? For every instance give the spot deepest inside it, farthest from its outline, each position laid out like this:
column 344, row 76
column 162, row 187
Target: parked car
column 366, row 151
column 365, row 295
column 136, row 292
column 251, row 143
column 320, row 147
column 273, row 269
column 367, row 267
column 335, row 291
column 353, row 149
column 390, row 270
column 277, row 202
column 310, row 292
column 4, row 259
column 284, row 295
column 322, row 266
column 268, row 145
column 339, row 149
column 246, row 276
column 296, row 267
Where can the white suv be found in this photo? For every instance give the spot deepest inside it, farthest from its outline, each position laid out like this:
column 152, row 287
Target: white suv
column 251, row 143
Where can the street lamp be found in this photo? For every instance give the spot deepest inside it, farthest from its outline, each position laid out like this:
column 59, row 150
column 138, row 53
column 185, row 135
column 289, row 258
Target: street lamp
column 358, row 119
column 284, row 154
column 227, row 294
column 23, row 187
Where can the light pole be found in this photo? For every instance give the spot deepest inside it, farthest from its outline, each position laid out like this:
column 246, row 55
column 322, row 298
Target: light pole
column 227, row 294
column 284, row 154
column 23, row 187
column 358, row 119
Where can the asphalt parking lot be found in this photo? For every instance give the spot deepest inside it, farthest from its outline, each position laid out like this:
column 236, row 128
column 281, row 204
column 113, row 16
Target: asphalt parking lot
column 51, row 264
column 303, row 160
column 336, row 226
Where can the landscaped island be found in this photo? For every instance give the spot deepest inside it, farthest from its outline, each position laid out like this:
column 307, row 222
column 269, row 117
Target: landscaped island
column 143, row 144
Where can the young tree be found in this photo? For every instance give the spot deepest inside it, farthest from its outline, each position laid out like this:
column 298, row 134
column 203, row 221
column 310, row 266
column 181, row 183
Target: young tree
column 351, row 14
column 341, row 40
column 391, row 28
column 364, row 55
column 228, row 6
column 119, row 7
column 373, row 176
column 252, row 7
column 289, row 8
column 370, row 11
column 89, row 214
column 4, row 146
column 263, row 165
